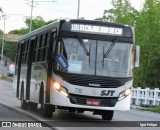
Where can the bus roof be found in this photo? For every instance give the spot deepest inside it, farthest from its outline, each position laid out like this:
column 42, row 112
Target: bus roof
column 57, row 24
column 40, row 30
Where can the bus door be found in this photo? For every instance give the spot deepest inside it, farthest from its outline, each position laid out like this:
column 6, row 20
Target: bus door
column 29, row 66
column 18, row 66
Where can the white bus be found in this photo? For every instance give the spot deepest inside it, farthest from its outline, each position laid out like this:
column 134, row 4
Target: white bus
column 76, row 65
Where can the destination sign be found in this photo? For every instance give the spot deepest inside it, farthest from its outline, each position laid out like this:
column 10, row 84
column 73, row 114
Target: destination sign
column 96, row 29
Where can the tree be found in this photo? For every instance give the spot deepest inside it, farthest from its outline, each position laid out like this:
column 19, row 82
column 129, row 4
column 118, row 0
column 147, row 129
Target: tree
column 21, row 31
column 37, row 22
column 10, row 50
column 147, row 31
column 122, row 12
column 147, row 24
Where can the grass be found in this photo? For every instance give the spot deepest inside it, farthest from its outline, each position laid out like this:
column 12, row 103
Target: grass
column 6, row 78
column 150, row 108
column 154, row 109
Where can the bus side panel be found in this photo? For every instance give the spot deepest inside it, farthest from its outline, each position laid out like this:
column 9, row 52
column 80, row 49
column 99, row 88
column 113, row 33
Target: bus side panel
column 23, row 80
column 38, row 76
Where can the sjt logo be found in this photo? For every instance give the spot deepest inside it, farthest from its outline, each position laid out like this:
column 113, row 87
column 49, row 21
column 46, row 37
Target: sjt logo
column 107, row 93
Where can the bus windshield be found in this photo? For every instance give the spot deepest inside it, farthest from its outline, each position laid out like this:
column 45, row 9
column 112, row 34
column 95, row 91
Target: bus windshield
column 117, row 63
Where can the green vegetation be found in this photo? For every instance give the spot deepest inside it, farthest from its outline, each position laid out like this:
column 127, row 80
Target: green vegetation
column 37, row 22
column 147, row 30
column 9, row 50
column 6, row 78
column 156, row 109
column 152, row 109
column 148, row 108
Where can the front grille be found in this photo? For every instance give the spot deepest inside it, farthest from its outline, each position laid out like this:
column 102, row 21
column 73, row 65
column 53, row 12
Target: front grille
column 94, row 82
column 104, row 102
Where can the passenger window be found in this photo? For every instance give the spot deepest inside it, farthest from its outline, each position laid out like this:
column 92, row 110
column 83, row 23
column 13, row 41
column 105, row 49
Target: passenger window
column 34, row 51
column 43, row 40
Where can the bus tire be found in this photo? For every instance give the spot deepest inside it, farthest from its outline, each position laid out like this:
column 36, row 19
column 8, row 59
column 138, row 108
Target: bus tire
column 33, row 106
column 47, row 109
column 107, row 115
column 24, row 104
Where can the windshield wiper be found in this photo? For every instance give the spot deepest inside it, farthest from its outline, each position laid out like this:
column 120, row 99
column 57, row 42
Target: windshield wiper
column 110, row 48
column 82, row 44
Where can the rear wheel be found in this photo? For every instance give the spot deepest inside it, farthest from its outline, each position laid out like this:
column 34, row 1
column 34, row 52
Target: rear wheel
column 24, row 104
column 107, row 115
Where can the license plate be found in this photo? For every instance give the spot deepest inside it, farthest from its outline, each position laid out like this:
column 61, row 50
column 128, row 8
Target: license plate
column 93, row 102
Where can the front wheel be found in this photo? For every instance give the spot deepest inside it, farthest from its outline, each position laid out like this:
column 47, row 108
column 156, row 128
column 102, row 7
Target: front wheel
column 24, row 104
column 107, row 115
column 47, row 109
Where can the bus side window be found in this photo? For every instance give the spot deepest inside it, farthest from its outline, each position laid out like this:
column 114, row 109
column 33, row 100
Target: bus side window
column 26, row 51
column 35, row 50
column 18, row 53
column 23, row 49
column 43, row 39
column 47, row 41
column 42, row 49
column 39, row 48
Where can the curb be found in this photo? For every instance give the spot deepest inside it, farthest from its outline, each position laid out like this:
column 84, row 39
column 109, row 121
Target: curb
column 138, row 107
column 30, row 115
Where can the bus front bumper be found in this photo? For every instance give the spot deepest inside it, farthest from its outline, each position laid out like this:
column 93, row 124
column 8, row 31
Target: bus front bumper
column 58, row 99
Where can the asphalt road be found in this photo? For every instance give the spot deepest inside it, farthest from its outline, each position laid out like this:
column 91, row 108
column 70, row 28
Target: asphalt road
column 124, row 120
column 9, row 116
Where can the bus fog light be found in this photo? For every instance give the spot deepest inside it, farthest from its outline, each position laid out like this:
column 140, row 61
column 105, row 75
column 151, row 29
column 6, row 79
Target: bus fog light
column 127, row 92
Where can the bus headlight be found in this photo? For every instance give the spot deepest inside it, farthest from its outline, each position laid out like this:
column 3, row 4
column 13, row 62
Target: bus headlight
column 124, row 94
column 60, row 88
column 57, row 86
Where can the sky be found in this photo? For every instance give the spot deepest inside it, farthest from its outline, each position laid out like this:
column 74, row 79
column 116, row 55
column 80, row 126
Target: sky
column 18, row 10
